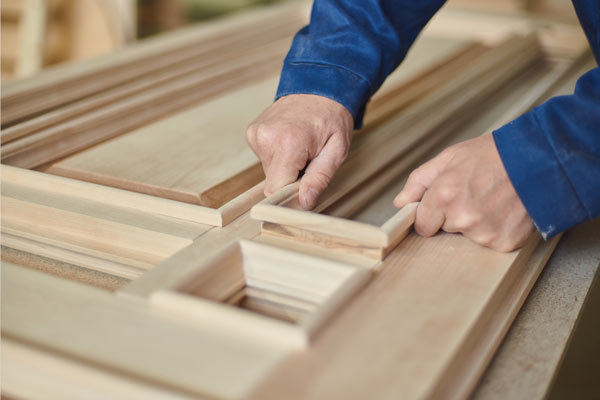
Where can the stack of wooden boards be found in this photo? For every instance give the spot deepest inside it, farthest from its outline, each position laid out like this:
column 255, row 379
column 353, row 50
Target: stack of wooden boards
column 105, row 171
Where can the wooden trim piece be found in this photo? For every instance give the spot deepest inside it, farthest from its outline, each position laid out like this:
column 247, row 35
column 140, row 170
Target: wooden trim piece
column 323, row 285
column 100, row 329
column 185, row 262
column 117, row 197
column 486, row 75
column 478, row 348
column 81, row 233
column 137, row 201
column 60, row 377
column 40, row 247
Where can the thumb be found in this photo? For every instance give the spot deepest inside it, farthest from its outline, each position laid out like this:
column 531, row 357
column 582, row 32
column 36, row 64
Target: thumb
column 420, row 180
column 283, row 170
column 320, row 171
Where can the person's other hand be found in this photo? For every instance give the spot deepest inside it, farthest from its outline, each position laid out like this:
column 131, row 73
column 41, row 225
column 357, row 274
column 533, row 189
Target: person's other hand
column 298, row 129
column 466, row 189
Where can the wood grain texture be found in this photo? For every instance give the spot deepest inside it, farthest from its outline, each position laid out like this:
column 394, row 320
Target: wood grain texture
column 59, row 376
column 111, row 196
column 174, row 353
column 397, row 346
column 199, row 156
column 57, row 86
column 54, row 220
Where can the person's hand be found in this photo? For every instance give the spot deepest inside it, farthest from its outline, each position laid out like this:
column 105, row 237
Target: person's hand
column 298, row 129
column 466, row 189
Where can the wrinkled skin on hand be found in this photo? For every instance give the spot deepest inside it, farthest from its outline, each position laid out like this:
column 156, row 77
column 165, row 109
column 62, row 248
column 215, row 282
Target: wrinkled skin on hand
column 466, row 189
column 298, row 129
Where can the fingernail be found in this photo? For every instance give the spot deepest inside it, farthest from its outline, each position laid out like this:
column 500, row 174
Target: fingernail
column 310, row 199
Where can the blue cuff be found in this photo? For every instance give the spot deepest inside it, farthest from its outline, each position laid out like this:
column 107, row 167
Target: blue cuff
column 538, row 177
column 336, row 83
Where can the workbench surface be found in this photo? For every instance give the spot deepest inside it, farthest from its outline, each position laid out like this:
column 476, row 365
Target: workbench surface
column 528, row 359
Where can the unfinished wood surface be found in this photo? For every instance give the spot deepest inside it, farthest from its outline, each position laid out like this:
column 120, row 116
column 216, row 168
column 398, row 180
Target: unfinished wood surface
column 561, row 41
column 126, row 337
column 26, row 98
column 427, row 286
column 264, row 291
column 58, row 376
column 194, row 156
column 130, row 113
column 110, row 196
column 165, row 275
column 189, row 180
column 261, row 43
column 95, row 235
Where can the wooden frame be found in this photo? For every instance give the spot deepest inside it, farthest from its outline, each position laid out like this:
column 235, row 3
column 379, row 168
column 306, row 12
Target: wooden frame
column 279, row 219
column 264, row 291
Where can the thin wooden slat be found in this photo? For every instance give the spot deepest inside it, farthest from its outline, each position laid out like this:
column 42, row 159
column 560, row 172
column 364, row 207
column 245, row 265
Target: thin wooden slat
column 107, row 195
column 83, row 234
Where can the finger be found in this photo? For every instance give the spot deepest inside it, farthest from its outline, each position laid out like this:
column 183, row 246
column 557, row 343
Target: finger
column 420, row 180
column 283, row 170
column 430, row 216
column 320, row 171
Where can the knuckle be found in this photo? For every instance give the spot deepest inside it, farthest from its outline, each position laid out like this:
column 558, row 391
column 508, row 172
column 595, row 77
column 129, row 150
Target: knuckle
column 446, row 194
column 466, row 218
column 414, row 177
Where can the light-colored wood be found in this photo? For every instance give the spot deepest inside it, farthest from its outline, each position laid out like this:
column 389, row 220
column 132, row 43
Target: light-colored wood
column 111, row 196
column 102, row 124
column 62, row 219
column 178, row 70
column 324, row 283
column 423, row 289
column 462, row 375
column 172, row 352
column 57, row 376
column 187, row 157
column 32, row 29
column 80, row 233
column 72, row 82
column 125, row 172
column 561, row 41
column 186, row 260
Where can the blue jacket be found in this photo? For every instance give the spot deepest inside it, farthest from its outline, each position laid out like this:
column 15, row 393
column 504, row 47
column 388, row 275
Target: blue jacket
column 551, row 154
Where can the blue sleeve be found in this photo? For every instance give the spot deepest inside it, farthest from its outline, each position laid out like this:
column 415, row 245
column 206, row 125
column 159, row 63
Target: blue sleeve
column 552, row 156
column 350, row 47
